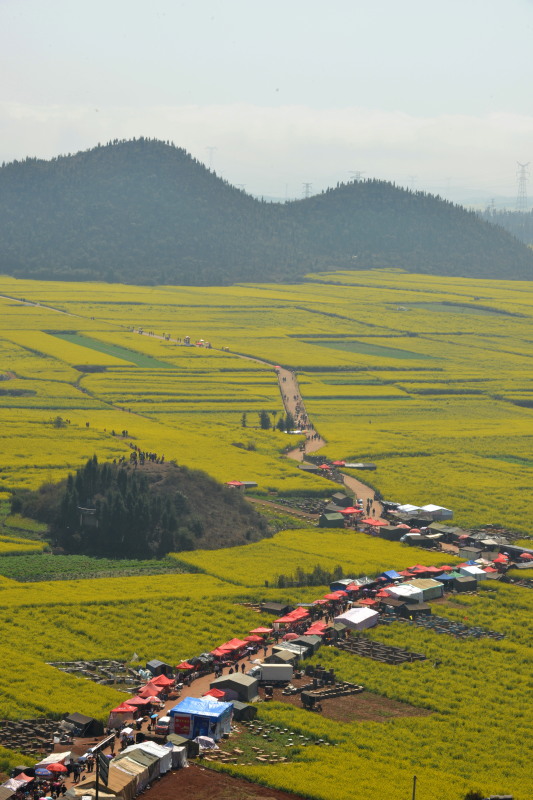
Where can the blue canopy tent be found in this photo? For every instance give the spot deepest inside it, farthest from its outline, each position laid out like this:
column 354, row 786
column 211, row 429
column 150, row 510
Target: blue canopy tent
column 392, row 575
column 201, row 716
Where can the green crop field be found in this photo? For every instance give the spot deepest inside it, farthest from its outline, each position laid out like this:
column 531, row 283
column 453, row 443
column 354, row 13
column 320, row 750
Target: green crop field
column 428, row 377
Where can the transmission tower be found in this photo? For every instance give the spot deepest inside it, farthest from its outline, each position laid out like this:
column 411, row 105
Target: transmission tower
column 356, row 175
column 522, row 174
column 307, row 189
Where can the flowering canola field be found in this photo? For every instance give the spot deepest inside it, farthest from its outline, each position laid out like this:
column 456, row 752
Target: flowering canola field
column 428, row 377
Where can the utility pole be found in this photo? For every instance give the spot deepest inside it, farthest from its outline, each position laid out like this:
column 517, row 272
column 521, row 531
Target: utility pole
column 521, row 197
column 307, row 189
column 414, row 787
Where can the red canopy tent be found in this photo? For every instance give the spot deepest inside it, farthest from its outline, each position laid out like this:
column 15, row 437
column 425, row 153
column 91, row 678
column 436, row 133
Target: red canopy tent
column 138, row 701
column 324, row 466
column 214, row 692
column 339, row 595
column 367, row 602
column 150, row 689
column 254, row 638
column 124, row 708
column 501, row 559
column 220, row 652
column 526, row 555
column 446, row 568
column 350, row 510
column 320, row 602
column 403, row 526
column 184, row 665
column 162, row 680
column 235, row 484
column 372, row 521
column 339, row 463
column 262, row 630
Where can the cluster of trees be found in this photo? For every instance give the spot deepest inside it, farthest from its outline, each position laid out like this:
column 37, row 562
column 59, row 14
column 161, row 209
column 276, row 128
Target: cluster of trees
column 317, row 577
column 144, row 211
column 110, row 510
column 518, row 223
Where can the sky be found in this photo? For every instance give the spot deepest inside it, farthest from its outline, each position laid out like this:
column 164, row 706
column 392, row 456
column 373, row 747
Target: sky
column 434, row 96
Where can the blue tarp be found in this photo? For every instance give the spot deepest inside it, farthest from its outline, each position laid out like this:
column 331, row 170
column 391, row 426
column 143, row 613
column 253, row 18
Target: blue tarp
column 444, row 577
column 392, row 574
column 201, row 706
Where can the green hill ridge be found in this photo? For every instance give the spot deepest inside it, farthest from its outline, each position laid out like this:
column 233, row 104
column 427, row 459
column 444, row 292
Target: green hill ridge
column 146, row 212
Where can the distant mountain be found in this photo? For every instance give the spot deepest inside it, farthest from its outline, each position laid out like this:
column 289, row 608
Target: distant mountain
column 144, row 211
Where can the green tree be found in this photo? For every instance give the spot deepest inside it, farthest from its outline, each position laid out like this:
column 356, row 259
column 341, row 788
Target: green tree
column 264, row 420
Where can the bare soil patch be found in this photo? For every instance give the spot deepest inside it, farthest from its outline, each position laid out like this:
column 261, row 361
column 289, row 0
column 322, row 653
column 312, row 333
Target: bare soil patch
column 363, row 707
column 197, row 783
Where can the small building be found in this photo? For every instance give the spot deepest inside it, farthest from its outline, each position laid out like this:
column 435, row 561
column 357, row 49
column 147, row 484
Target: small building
column 310, row 641
column 409, row 594
column 85, row 727
column 193, row 748
column 280, row 655
column 244, row 686
column 342, row 500
column 473, row 572
column 243, row 711
column 470, row 553
column 358, row 619
column 201, row 716
column 431, row 589
column 159, row 667
column 331, row 520
column 438, row 513
column 414, row 610
column 278, row 609
column 465, row 583
column 391, row 533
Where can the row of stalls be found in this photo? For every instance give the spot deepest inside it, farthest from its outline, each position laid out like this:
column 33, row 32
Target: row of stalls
column 132, row 770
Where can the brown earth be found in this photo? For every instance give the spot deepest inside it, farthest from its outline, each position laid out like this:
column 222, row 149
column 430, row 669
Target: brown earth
column 363, row 707
column 197, row 783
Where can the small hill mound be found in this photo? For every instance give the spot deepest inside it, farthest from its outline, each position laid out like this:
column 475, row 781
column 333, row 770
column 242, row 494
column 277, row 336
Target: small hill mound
column 120, row 511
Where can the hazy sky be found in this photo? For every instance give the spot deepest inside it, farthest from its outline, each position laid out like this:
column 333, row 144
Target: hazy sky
column 434, row 96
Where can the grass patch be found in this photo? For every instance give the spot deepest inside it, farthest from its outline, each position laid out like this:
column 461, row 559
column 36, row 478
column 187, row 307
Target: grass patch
column 367, row 349
column 139, row 359
column 46, row 567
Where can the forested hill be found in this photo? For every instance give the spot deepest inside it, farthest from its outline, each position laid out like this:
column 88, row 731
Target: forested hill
column 145, row 211
column 141, row 511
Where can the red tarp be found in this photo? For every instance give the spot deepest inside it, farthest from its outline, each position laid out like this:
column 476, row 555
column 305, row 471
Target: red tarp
column 372, row 521
column 289, row 636
column 184, row 665
column 501, row 559
column 23, row 777
column 526, row 555
column 254, row 638
column 262, row 630
column 490, row 569
column 350, row 510
column 403, row 526
column 237, row 484
column 339, row 463
column 368, row 602
column 324, row 466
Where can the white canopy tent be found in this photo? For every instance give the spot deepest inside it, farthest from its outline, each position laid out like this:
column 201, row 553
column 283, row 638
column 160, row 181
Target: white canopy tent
column 358, row 619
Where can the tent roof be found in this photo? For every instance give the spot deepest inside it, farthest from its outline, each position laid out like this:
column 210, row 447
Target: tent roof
column 156, row 663
column 202, row 707
column 237, row 678
column 124, row 708
column 79, row 719
column 161, row 680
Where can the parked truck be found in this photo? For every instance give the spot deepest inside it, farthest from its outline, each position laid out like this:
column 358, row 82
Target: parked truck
column 272, row 673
